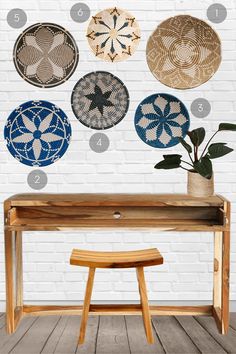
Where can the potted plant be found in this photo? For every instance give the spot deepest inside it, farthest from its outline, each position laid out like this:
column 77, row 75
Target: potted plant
column 199, row 167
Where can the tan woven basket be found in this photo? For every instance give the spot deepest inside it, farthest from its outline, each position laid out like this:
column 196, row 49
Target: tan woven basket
column 199, row 186
column 183, row 52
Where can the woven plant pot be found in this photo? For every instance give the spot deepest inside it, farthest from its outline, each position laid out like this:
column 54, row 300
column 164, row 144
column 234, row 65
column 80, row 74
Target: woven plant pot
column 199, row 186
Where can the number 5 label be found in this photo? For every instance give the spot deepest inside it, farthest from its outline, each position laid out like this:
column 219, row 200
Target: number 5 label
column 16, row 18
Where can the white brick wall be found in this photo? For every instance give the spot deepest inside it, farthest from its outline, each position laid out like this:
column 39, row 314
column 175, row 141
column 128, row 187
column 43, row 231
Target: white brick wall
column 126, row 167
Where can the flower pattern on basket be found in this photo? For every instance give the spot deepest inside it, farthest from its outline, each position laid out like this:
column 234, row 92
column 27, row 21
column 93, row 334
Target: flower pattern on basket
column 161, row 119
column 37, row 133
column 113, row 34
column 183, row 52
column 45, row 55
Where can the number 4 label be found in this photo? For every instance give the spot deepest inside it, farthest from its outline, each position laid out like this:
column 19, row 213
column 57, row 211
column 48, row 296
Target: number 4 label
column 99, row 142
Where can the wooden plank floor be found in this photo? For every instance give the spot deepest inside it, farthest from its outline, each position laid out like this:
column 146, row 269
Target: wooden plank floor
column 117, row 334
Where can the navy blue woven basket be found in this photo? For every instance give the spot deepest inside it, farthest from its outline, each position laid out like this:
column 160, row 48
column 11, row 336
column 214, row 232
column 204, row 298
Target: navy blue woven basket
column 37, row 133
column 161, row 119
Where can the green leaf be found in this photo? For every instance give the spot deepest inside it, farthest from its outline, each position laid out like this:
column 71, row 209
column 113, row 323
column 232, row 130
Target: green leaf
column 186, row 145
column 197, row 136
column 204, row 167
column 169, row 162
column 218, row 150
column 227, row 126
column 172, row 157
column 167, row 165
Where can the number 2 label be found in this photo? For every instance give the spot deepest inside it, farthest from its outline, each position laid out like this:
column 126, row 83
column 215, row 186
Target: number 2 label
column 37, row 179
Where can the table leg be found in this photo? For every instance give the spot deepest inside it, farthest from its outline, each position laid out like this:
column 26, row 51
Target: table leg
column 19, row 277
column 9, row 264
column 19, row 269
column 218, row 236
column 221, row 280
column 225, row 281
column 14, row 279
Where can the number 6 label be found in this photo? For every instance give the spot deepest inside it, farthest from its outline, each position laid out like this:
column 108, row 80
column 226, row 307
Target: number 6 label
column 80, row 12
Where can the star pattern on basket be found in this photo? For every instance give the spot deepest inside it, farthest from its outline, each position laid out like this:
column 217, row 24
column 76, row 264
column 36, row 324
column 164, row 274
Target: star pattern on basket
column 100, row 100
column 160, row 120
column 113, row 34
column 38, row 134
column 46, row 55
column 183, row 52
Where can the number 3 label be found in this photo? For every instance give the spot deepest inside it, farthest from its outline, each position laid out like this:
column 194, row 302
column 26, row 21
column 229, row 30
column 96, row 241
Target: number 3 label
column 200, row 107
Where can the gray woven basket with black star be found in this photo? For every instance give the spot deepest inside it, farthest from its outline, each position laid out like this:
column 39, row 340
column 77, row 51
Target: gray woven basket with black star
column 100, row 100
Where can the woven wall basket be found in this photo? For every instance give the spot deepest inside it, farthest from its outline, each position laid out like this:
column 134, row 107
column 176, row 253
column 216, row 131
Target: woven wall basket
column 161, row 119
column 113, row 34
column 37, row 133
column 100, row 100
column 45, row 55
column 183, row 52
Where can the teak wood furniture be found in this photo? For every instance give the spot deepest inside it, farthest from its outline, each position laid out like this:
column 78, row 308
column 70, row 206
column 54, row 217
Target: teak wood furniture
column 170, row 212
column 131, row 259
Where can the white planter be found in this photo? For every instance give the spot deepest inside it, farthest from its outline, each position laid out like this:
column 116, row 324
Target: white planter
column 199, row 186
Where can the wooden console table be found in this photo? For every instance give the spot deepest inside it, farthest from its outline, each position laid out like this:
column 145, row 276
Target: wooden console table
column 169, row 212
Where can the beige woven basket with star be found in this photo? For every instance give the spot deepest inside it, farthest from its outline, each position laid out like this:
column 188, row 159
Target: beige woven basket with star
column 113, row 34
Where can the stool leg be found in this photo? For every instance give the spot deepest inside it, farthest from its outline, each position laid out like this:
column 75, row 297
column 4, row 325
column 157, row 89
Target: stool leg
column 86, row 306
column 144, row 304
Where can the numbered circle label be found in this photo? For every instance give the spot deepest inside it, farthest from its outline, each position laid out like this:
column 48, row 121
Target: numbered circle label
column 200, row 108
column 216, row 13
column 37, row 179
column 80, row 12
column 16, row 18
column 99, row 142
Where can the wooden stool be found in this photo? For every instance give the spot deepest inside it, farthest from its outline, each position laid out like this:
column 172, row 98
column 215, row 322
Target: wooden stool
column 134, row 259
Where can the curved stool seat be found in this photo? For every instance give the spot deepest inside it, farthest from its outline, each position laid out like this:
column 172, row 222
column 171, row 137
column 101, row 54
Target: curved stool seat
column 126, row 259
column 130, row 259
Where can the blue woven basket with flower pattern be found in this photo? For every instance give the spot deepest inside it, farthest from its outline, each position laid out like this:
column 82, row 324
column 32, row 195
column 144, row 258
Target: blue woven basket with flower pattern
column 37, row 133
column 161, row 119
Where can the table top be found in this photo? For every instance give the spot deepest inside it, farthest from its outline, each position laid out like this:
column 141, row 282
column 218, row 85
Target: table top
column 164, row 211
column 89, row 199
